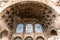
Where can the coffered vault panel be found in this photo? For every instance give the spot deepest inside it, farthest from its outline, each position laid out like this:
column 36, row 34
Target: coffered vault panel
column 23, row 10
column 18, row 12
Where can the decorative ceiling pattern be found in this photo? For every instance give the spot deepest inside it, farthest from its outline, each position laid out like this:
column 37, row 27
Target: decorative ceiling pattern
column 14, row 14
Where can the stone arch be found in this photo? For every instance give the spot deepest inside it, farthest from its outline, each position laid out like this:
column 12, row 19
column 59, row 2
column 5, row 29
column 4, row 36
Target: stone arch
column 28, row 9
column 53, row 32
column 21, row 26
column 18, row 38
column 39, row 27
column 4, row 35
column 16, row 13
column 40, row 38
column 29, row 37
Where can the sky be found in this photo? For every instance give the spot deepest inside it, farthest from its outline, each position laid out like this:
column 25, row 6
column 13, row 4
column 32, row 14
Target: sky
column 29, row 28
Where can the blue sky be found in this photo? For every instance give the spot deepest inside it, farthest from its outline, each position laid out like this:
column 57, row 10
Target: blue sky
column 38, row 28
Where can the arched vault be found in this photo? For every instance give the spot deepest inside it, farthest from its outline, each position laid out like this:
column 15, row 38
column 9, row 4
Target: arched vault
column 16, row 13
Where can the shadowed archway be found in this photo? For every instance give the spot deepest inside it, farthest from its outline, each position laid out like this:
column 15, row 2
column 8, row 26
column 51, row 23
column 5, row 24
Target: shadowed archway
column 40, row 38
column 4, row 35
column 28, row 10
column 53, row 32
column 28, row 38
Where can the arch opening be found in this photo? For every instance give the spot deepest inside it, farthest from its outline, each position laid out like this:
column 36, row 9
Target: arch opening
column 29, row 9
column 18, row 12
column 19, row 28
column 40, row 38
column 4, row 35
column 38, row 28
column 17, row 38
column 28, row 38
column 29, row 28
column 53, row 33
